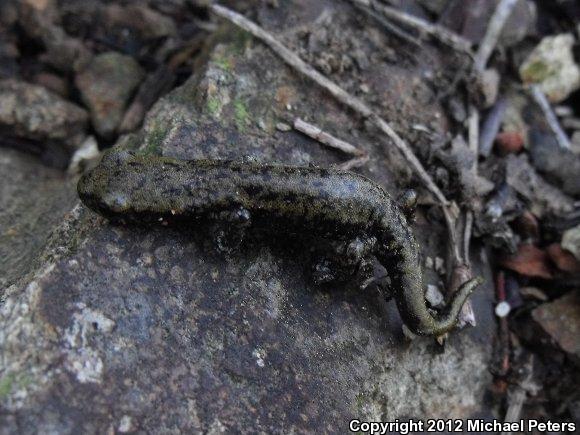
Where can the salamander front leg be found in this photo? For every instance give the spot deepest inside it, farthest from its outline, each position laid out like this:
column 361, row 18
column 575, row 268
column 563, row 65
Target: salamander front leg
column 229, row 228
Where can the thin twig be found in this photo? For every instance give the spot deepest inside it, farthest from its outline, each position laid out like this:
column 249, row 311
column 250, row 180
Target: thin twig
column 494, row 29
column 473, row 140
column 325, row 138
column 353, row 163
column 491, row 127
column 423, row 27
column 390, row 27
column 551, row 118
column 518, row 396
column 467, row 315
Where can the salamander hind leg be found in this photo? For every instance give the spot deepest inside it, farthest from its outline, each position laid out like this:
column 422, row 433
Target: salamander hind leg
column 343, row 261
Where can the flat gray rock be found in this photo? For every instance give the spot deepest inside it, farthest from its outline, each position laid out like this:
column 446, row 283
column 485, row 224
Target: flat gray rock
column 151, row 330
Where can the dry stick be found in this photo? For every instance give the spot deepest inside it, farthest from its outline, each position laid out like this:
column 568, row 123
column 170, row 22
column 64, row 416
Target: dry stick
column 467, row 316
column 397, row 31
column 325, row 138
column 474, row 147
column 353, row 103
column 494, row 29
column 354, row 163
column 442, row 34
column 329, row 140
column 551, row 118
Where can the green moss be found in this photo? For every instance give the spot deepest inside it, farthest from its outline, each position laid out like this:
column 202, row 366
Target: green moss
column 242, row 115
column 6, row 384
column 224, row 62
column 536, row 72
column 214, row 105
column 154, row 141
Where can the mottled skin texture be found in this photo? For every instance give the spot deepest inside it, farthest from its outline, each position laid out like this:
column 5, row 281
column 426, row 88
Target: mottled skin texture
column 321, row 202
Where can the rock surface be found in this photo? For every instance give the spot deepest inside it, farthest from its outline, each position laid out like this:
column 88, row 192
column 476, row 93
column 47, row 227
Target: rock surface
column 33, row 199
column 106, row 86
column 136, row 329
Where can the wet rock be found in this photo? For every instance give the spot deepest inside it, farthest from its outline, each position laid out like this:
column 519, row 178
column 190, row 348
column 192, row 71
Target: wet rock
column 106, row 86
column 33, row 113
column 561, row 320
column 571, row 241
column 33, row 200
column 189, row 340
column 551, row 65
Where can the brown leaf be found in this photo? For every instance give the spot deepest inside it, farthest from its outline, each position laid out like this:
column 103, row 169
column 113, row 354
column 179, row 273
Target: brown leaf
column 563, row 259
column 529, row 261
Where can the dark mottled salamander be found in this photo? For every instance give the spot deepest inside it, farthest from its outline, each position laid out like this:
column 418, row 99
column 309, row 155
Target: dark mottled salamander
column 321, row 202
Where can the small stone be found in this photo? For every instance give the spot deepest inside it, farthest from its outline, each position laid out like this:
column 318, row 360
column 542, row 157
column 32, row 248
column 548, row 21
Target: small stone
column 434, row 296
column 429, row 263
column 571, row 241
column 551, row 65
column 439, row 265
column 53, row 83
column 282, row 126
column 86, row 155
column 489, row 87
column 509, row 142
column 106, row 86
column 561, row 320
column 502, row 309
column 32, row 112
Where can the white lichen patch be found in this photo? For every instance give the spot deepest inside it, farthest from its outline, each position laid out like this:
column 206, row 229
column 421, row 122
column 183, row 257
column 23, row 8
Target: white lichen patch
column 86, row 364
column 82, row 360
column 25, row 355
column 260, row 355
column 126, row 424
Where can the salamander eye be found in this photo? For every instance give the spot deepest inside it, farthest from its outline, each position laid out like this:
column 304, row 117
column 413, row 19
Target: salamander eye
column 114, row 157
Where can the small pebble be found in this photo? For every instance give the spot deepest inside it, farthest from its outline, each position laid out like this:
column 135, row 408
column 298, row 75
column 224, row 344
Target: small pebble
column 282, row 126
column 502, row 309
column 509, row 142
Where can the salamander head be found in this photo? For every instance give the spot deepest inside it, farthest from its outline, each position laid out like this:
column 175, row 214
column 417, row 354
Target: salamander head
column 104, row 189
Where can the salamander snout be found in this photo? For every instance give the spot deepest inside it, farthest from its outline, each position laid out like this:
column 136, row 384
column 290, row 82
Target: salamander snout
column 99, row 192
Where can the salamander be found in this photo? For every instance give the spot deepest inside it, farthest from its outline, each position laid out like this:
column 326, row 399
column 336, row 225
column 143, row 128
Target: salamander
column 315, row 201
